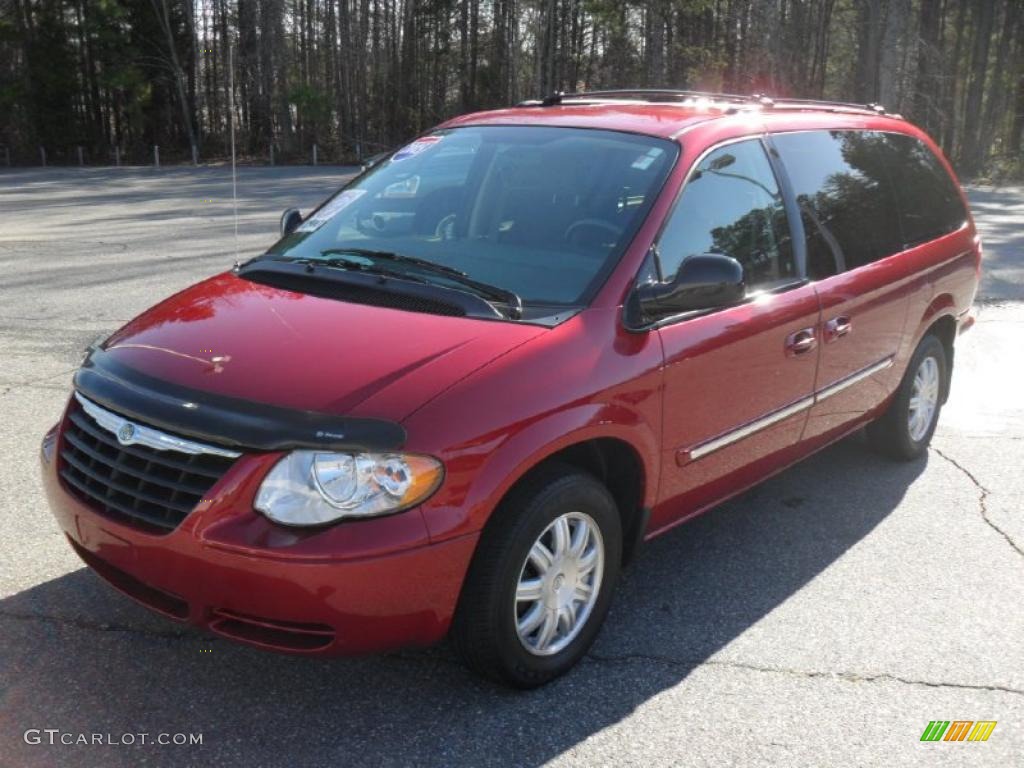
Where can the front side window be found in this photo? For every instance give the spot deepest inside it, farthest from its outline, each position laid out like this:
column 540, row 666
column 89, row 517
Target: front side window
column 844, row 189
column 543, row 212
column 731, row 205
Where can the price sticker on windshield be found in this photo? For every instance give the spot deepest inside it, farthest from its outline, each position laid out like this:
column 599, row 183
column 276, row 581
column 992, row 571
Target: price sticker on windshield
column 337, row 204
column 415, row 148
column 643, row 162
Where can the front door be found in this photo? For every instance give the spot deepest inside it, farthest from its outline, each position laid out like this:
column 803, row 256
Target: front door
column 738, row 382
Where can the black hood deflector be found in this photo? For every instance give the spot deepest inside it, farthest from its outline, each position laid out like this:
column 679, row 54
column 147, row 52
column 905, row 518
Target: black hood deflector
column 224, row 420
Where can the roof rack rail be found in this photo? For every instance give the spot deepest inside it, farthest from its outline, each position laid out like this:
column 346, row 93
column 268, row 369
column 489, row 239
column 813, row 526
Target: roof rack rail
column 632, row 94
column 782, row 102
column 673, row 95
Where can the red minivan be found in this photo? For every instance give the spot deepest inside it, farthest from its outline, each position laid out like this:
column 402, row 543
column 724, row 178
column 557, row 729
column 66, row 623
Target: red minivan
column 456, row 397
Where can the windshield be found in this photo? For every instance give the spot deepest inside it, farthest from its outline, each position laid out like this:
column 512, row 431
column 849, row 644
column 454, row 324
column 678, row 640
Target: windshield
column 542, row 213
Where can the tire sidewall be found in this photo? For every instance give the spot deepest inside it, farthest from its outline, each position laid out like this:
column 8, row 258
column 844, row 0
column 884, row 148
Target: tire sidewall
column 930, row 346
column 587, row 496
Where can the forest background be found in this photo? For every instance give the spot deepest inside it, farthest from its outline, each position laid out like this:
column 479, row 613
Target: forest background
column 90, row 80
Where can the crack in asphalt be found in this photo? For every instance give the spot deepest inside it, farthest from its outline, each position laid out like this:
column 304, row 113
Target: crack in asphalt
column 37, row 387
column 849, row 677
column 688, row 664
column 990, row 437
column 983, row 494
column 38, row 382
column 98, row 626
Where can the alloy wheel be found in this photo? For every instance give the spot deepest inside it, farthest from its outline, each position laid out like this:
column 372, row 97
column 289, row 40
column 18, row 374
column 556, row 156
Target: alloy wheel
column 924, row 399
column 559, row 583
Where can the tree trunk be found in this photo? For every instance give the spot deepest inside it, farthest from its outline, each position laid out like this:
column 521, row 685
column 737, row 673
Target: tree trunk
column 872, row 27
column 1002, row 81
column 949, row 135
column 164, row 17
column 894, row 34
column 973, row 152
column 927, row 83
column 1017, row 121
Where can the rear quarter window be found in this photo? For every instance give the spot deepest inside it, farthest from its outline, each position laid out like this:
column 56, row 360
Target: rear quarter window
column 929, row 203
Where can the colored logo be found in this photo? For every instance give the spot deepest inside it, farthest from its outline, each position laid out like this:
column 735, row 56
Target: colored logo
column 958, row 730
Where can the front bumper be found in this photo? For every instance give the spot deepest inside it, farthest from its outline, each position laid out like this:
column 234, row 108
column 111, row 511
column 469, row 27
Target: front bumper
column 353, row 588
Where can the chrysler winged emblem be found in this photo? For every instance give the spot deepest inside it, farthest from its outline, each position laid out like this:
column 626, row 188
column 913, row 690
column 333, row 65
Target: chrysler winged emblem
column 126, row 433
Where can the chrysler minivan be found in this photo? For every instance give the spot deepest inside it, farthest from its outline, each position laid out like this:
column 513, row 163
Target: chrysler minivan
column 455, row 398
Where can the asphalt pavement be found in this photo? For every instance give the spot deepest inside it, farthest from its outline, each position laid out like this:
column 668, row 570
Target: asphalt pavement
column 823, row 618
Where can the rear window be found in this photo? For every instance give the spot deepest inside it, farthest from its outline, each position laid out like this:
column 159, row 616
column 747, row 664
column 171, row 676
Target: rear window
column 929, row 202
column 846, row 196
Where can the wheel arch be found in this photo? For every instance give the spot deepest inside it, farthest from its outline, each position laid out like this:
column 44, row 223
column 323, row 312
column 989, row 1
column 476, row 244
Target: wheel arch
column 620, row 451
column 619, row 467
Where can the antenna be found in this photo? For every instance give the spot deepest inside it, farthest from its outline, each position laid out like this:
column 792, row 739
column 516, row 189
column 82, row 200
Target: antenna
column 231, row 120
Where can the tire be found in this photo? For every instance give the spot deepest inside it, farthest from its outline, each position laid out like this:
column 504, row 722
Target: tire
column 895, row 434
column 485, row 631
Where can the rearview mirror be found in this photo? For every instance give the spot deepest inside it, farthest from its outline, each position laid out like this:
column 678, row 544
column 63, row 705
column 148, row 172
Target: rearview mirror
column 707, row 281
column 290, row 219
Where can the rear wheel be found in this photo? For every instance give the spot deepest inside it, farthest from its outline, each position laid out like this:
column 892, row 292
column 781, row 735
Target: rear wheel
column 541, row 581
column 905, row 429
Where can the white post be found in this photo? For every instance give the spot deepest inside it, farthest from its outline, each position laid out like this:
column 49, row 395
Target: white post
column 314, row 154
column 156, row 156
column 195, row 155
column 117, row 156
column 42, row 154
column 81, row 162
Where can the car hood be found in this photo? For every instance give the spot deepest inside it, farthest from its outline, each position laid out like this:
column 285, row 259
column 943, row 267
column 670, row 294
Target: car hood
column 233, row 337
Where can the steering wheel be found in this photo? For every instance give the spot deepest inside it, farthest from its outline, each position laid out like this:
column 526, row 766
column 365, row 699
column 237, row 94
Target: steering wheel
column 373, row 224
column 596, row 224
column 445, row 229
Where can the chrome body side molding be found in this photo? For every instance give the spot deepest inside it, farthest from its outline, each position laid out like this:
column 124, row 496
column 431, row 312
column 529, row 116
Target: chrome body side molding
column 836, row 387
column 773, row 417
column 703, row 449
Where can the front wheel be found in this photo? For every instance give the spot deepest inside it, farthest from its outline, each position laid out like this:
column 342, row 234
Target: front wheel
column 905, row 429
column 541, row 580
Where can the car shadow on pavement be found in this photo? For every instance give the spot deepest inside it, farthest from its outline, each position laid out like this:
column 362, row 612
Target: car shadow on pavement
column 79, row 657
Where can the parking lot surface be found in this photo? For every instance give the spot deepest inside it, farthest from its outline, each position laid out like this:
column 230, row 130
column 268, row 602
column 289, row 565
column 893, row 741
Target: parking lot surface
column 823, row 618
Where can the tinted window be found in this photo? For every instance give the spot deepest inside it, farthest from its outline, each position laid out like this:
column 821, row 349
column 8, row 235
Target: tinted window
column 929, row 203
column 731, row 205
column 843, row 185
column 542, row 211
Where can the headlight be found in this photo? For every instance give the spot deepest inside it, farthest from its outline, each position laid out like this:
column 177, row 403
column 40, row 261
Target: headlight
column 312, row 488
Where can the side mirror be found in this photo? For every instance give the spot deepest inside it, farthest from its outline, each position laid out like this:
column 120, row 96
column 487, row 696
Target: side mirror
column 290, row 219
column 703, row 282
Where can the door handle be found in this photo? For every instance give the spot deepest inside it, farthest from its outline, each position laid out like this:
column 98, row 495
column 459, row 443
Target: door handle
column 837, row 327
column 801, row 342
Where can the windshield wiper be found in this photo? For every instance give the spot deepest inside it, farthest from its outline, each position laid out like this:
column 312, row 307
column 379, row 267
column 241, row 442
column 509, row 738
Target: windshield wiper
column 503, row 296
column 335, row 278
column 356, row 266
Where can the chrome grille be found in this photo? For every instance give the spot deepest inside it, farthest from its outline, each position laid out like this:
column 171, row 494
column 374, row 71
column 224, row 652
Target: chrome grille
column 134, row 484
